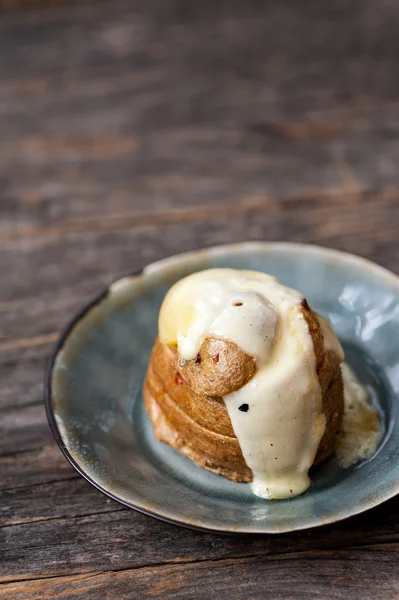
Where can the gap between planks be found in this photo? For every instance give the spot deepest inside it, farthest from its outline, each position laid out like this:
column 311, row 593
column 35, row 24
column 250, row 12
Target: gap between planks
column 287, row 556
column 63, row 517
column 40, row 483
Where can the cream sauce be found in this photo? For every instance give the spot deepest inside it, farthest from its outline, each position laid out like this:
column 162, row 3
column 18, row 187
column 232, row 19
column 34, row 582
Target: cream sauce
column 280, row 433
column 361, row 427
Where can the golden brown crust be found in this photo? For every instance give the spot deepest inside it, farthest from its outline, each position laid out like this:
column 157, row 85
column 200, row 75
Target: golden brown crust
column 220, row 368
column 185, row 404
column 166, row 383
column 330, row 377
column 197, row 426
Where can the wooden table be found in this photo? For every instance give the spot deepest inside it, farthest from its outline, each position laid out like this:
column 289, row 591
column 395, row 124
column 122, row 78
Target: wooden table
column 134, row 130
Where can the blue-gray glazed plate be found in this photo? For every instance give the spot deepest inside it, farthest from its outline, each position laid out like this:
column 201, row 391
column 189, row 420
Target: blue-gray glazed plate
column 94, row 392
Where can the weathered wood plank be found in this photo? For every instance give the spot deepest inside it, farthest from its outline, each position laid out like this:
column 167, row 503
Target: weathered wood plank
column 337, row 575
column 62, row 499
column 165, row 107
column 98, row 535
column 23, row 428
column 32, row 466
column 21, row 385
column 50, row 264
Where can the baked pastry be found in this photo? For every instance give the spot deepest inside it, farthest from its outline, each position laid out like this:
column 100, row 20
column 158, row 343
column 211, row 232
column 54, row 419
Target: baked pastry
column 245, row 380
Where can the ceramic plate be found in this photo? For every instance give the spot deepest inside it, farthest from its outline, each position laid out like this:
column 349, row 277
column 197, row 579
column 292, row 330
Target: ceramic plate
column 95, row 407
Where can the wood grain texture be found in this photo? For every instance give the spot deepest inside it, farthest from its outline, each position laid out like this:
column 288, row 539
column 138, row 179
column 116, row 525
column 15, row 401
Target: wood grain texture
column 314, row 575
column 134, row 130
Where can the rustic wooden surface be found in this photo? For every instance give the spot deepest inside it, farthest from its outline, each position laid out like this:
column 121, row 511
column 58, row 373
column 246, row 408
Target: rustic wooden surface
column 134, row 130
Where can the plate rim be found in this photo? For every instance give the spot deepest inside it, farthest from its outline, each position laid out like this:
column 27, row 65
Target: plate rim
column 157, row 266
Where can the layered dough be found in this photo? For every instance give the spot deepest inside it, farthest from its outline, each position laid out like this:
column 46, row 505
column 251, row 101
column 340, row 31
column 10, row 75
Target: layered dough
column 205, row 393
column 196, row 425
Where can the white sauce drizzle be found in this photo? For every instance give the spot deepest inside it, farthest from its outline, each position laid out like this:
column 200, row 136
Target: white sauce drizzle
column 280, row 433
column 361, row 427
